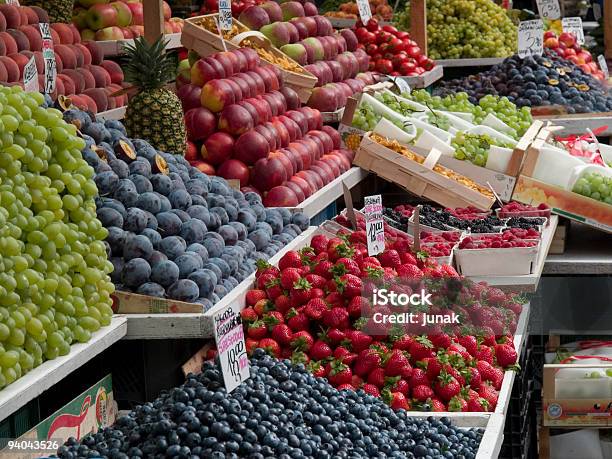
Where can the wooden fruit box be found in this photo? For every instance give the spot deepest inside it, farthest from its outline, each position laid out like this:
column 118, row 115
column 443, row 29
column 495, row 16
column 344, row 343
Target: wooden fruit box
column 578, row 123
column 205, row 42
column 424, row 80
column 416, row 178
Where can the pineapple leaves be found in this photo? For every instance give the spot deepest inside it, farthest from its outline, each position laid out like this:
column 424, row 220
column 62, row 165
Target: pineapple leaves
column 148, row 66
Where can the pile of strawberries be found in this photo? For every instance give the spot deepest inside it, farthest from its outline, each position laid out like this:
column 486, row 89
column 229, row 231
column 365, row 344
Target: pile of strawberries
column 309, row 309
column 510, row 238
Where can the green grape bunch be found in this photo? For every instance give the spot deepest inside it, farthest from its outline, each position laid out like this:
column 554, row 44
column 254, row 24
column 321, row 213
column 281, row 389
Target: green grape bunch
column 475, row 147
column 55, row 288
column 595, row 186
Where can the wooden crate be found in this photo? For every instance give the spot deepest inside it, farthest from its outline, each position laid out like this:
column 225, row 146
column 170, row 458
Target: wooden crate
column 417, row 178
column 557, row 247
column 205, row 43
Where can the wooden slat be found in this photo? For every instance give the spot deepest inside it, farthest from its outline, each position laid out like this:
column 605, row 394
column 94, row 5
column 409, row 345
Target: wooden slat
column 153, row 19
column 418, row 23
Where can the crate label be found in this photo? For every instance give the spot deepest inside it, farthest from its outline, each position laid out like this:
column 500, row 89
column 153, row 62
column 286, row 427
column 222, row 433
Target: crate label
column 603, row 65
column 574, row 26
column 229, row 336
column 30, row 76
column 549, row 9
column 364, row 10
column 596, row 11
column 375, row 226
column 48, row 57
column 225, row 15
column 530, row 38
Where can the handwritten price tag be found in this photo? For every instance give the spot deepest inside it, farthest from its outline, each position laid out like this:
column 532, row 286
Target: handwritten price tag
column 375, row 227
column 530, row 38
column 574, row 26
column 549, row 9
column 229, row 336
column 225, row 14
column 603, row 65
column 49, row 57
column 364, row 10
column 30, row 76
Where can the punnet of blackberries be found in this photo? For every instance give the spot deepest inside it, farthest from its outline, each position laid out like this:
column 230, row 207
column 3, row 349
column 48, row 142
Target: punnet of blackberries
column 280, row 412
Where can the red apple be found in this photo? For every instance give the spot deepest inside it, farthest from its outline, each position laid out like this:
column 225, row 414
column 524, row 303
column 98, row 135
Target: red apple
column 234, row 169
column 251, row 147
column 200, row 123
column 217, row 148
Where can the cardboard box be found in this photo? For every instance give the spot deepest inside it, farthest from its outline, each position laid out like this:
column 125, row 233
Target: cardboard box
column 91, row 411
column 134, row 303
column 417, row 178
column 205, row 43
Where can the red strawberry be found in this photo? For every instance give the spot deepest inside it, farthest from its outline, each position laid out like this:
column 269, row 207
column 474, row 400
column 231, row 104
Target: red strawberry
column 422, row 392
column 257, row 330
column 263, row 306
column 339, row 373
column 334, row 298
column 469, row 342
column 323, row 269
column 319, row 243
column 286, row 353
column 397, row 401
column 437, row 405
column 254, row 295
column 340, row 352
column 302, row 341
column 440, row 340
column 418, row 378
column 484, row 353
column 478, row 405
column 335, row 336
column 248, row 315
column 251, row 344
column 346, row 266
column 446, row 386
column 274, row 289
column 487, row 392
column 314, row 308
column 300, row 292
column 320, row 350
column 291, row 259
column 358, row 236
column 264, row 279
column 506, row 355
column 317, row 369
column 498, row 378
column 398, row 365
column 367, row 360
column 336, row 318
column 282, row 303
column 407, row 258
column 377, row 377
column 289, row 277
column 371, row 389
column 401, row 385
column 317, row 293
column 457, row 404
column 316, row 281
column 273, row 318
column 270, row 346
column 358, row 306
column 263, row 267
column 359, row 340
column 349, row 285
column 282, row 334
column 297, row 321
column 433, row 366
column 345, row 387
column 472, row 376
column 390, row 259
column 458, row 348
column 409, row 271
column 403, row 343
column 299, row 357
column 420, row 349
column 336, row 248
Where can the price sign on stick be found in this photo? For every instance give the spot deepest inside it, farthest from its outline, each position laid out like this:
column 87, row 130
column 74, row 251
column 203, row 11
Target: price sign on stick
column 574, row 26
column 30, row 76
column 549, row 9
column 530, row 38
column 48, row 57
column 603, row 65
column 225, row 14
column 364, row 10
column 597, row 11
column 229, row 336
column 375, row 226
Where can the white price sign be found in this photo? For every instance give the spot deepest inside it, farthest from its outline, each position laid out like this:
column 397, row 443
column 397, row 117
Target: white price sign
column 49, row 57
column 225, row 14
column 30, row 76
column 402, row 85
column 597, row 11
column 229, row 336
column 574, row 26
column 549, row 9
column 603, row 65
column 375, row 226
column 364, row 10
column 530, row 38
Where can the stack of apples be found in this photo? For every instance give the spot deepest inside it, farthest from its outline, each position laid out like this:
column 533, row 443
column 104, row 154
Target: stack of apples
column 308, row 38
column 82, row 72
column 104, row 20
column 391, row 51
column 244, row 124
column 566, row 46
column 238, row 6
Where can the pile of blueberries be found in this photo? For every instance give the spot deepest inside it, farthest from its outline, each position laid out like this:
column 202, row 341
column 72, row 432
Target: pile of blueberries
column 176, row 233
column 533, row 82
column 282, row 412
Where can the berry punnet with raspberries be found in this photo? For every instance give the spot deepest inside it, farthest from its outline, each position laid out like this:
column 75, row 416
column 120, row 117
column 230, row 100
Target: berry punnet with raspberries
column 317, row 308
column 280, row 411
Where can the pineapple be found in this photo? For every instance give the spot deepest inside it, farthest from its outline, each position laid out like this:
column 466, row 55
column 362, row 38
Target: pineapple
column 154, row 113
